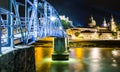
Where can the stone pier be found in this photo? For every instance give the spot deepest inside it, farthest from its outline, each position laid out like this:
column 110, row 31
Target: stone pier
column 60, row 49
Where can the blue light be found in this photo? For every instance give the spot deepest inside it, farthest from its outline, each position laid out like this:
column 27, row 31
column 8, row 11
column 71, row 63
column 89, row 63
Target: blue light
column 37, row 23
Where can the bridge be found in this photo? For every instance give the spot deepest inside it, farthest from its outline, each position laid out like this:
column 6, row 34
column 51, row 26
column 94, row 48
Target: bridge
column 38, row 20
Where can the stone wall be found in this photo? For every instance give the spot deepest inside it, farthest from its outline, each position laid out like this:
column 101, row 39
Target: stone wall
column 20, row 60
column 95, row 43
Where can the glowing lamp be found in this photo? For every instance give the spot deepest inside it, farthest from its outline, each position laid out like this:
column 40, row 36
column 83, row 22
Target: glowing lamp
column 53, row 18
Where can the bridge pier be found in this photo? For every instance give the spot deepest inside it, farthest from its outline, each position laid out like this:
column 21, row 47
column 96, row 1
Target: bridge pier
column 60, row 49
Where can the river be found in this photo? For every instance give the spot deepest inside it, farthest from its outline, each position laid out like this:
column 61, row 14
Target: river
column 89, row 59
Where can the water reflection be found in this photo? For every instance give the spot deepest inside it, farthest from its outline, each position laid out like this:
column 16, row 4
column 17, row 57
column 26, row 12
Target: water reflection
column 95, row 53
column 81, row 60
column 40, row 54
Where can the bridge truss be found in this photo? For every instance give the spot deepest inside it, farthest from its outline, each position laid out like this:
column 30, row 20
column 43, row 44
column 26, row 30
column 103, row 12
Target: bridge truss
column 40, row 20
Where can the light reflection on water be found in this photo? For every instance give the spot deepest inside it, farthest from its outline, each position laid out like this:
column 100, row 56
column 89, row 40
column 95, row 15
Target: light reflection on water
column 95, row 53
column 81, row 60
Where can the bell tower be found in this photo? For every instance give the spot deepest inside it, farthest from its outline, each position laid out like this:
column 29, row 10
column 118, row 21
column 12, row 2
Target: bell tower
column 112, row 24
column 104, row 23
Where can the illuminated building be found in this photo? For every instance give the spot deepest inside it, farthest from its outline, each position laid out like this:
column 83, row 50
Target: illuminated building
column 118, row 34
column 92, row 22
column 105, row 32
column 104, row 23
column 112, row 24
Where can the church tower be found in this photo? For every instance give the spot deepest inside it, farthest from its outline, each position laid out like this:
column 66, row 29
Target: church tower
column 112, row 24
column 92, row 22
column 104, row 23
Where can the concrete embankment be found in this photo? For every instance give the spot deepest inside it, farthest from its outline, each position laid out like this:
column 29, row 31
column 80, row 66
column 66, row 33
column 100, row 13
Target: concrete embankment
column 18, row 60
column 94, row 43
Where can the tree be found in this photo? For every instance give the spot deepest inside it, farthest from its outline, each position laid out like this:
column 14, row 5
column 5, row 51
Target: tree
column 65, row 24
column 118, row 27
column 77, row 34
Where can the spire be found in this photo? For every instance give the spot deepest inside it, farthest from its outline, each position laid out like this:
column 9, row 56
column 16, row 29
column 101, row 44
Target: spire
column 112, row 19
column 112, row 24
column 92, row 22
column 104, row 23
column 91, row 18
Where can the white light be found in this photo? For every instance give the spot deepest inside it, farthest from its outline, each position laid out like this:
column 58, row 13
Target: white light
column 95, row 54
column 116, row 53
column 60, row 28
column 53, row 18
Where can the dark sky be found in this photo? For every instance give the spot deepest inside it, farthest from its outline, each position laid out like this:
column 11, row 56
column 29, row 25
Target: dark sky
column 79, row 11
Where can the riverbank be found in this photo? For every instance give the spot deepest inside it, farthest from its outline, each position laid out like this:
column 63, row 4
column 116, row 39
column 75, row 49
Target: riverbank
column 19, row 59
column 94, row 43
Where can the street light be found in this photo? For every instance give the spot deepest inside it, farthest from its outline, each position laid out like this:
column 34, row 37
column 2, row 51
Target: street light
column 52, row 18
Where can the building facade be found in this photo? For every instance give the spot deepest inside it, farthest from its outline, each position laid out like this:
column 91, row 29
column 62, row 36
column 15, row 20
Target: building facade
column 107, row 31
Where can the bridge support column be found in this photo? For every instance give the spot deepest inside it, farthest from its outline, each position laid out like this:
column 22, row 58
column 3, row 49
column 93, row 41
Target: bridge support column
column 60, row 49
column 11, row 31
column 9, row 22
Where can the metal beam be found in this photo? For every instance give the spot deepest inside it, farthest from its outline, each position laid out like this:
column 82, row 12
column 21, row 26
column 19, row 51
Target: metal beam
column 30, row 3
column 26, row 21
column 11, row 31
column 3, row 11
column 35, row 17
column 18, row 18
column 0, row 33
column 33, row 22
column 45, row 16
column 9, row 22
column 20, row 4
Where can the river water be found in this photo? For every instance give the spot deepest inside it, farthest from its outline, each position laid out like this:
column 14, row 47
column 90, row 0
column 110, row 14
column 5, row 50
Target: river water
column 89, row 59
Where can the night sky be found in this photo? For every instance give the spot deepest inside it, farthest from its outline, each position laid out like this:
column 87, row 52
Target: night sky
column 79, row 11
